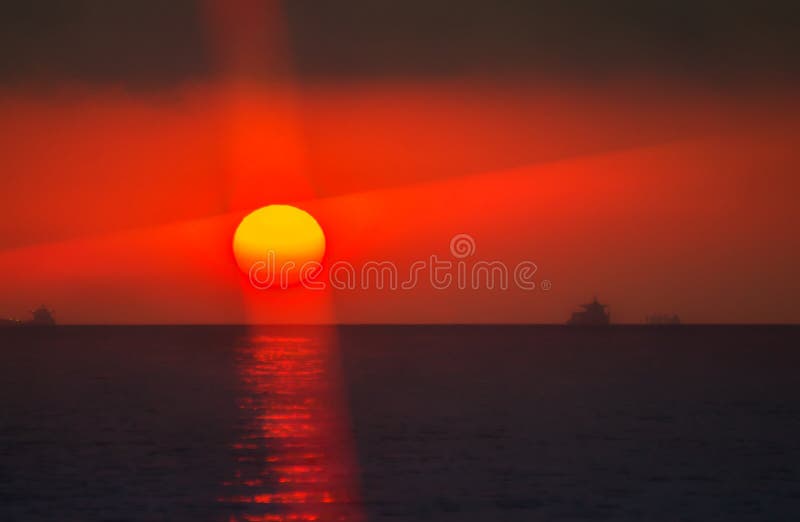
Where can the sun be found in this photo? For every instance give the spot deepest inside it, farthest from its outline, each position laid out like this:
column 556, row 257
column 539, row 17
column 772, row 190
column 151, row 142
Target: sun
column 275, row 242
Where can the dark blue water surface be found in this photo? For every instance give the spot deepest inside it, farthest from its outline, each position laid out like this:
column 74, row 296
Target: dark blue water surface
column 444, row 423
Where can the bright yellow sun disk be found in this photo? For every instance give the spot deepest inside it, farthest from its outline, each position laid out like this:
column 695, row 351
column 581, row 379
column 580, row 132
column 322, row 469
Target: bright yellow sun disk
column 287, row 234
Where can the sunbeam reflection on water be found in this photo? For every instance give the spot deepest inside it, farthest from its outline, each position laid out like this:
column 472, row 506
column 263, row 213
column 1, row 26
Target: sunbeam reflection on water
column 293, row 451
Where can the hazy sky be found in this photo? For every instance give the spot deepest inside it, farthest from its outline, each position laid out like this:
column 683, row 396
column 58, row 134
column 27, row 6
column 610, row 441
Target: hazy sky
column 646, row 152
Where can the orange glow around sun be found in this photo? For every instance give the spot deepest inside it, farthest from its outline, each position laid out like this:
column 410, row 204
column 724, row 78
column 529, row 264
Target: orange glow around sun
column 275, row 243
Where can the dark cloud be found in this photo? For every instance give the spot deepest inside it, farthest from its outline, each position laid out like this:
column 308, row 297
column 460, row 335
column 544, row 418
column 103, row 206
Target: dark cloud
column 146, row 42
column 138, row 42
column 698, row 37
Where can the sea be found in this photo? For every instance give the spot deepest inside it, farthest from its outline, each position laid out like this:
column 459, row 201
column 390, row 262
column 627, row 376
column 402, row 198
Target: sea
column 399, row 423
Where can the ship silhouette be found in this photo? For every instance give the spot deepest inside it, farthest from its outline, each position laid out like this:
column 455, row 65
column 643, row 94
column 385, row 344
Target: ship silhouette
column 662, row 319
column 593, row 314
column 42, row 316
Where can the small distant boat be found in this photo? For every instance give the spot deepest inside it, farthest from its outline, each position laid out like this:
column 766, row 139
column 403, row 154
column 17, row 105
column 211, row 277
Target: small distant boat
column 662, row 319
column 42, row 316
column 593, row 314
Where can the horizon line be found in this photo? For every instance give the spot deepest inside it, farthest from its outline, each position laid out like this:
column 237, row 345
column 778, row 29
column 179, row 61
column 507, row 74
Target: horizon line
column 510, row 324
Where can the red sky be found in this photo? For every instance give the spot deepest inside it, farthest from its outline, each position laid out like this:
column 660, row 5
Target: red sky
column 656, row 192
column 119, row 207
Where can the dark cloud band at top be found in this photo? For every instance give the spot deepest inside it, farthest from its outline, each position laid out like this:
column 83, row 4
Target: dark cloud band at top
column 144, row 42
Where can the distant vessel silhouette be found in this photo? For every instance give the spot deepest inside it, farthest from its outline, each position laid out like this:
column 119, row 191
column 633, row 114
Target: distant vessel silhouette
column 42, row 316
column 662, row 319
column 593, row 314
